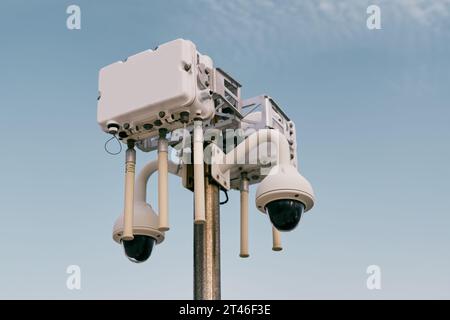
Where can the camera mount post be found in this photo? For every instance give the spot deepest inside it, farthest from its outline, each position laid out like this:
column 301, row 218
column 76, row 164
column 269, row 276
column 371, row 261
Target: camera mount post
column 207, row 245
column 207, row 234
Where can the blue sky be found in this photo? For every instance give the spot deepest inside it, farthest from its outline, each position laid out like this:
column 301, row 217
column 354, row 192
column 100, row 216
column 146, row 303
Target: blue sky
column 372, row 114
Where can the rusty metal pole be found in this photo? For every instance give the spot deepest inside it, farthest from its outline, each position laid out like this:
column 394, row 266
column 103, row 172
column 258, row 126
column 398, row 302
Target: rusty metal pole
column 207, row 247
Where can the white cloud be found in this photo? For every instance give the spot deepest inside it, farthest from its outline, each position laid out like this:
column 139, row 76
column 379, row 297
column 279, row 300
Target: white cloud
column 249, row 23
column 262, row 15
column 422, row 11
column 425, row 12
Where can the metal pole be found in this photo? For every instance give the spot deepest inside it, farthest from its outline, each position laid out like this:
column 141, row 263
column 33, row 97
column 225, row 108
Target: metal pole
column 207, row 247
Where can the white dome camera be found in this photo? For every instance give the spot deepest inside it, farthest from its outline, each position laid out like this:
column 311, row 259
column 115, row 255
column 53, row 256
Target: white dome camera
column 145, row 231
column 284, row 195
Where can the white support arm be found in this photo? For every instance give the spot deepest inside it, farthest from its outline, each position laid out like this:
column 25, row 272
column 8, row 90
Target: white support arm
column 239, row 154
column 147, row 171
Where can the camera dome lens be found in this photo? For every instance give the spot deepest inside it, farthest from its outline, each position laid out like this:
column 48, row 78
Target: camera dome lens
column 285, row 214
column 139, row 249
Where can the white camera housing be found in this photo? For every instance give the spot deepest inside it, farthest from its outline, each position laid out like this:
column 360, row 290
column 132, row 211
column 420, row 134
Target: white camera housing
column 145, row 223
column 149, row 90
column 284, row 182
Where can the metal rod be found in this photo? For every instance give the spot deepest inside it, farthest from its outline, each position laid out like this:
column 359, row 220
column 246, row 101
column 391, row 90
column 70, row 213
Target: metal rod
column 199, row 171
column 207, row 247
column 163, row 179
column 244, row 216
column 276, row 240
column 130, row 165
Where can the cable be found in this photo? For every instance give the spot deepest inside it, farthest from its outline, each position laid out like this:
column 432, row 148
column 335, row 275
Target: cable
column 226, row 195
column 120, row 146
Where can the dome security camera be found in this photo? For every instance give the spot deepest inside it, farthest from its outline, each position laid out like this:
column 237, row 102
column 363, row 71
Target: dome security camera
column 145, row 231
column 284, row 195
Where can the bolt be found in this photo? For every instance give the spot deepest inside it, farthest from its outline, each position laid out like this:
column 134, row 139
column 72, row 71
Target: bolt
column 187, row 67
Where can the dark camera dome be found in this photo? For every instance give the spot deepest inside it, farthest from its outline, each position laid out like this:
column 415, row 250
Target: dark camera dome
column 285, row 214
column 139, row 249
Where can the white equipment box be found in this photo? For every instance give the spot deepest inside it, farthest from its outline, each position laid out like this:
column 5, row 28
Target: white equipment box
column 154, row 89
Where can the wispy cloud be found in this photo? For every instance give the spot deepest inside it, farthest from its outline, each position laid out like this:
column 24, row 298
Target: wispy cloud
column 422, row 12
column 425, row 12
column 315, row 21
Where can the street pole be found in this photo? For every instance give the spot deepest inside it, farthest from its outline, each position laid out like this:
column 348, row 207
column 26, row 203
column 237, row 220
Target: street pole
column 207, row 247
